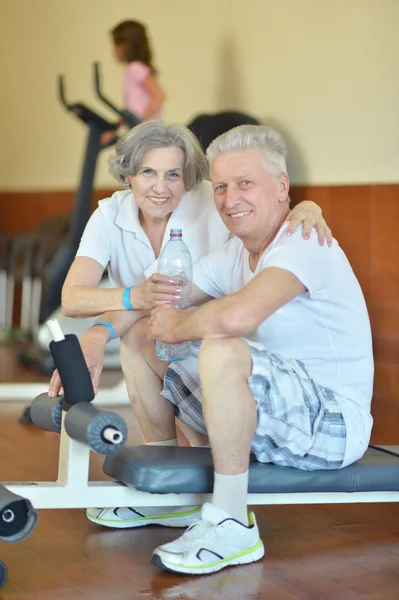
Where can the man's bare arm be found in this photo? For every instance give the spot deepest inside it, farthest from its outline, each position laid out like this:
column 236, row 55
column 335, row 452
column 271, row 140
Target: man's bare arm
column 232, row 316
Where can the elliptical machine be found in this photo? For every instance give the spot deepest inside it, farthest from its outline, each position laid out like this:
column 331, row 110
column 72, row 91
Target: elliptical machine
column 36, row 354
column 59, row 266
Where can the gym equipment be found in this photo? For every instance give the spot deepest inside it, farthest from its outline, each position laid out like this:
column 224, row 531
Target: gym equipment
column 175, row 470
column 17, row 521
column 207, row 127
column 23, row 260
column 6, row 283
column 46, row 412
column 172, row 476
column 82, row 426
column 101, row 431
column 63, row 256
column 63, row 259
column 127, row 116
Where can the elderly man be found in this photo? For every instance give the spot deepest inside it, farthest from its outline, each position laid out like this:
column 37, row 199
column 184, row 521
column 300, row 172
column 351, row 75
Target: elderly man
column 285, row 368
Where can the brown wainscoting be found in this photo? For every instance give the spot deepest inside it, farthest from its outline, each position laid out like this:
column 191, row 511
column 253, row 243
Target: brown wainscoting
column 23, row 211
column 364, row 219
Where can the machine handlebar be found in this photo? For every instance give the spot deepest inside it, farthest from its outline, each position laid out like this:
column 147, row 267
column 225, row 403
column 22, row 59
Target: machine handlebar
column 126, row 115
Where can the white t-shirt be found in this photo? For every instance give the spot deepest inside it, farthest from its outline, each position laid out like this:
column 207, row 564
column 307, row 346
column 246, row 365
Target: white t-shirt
column 113, row 236
column 326, row 327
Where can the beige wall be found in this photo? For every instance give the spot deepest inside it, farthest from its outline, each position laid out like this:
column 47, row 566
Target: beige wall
column 324, row 72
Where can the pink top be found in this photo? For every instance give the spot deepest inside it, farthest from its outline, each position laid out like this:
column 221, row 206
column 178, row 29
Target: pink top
column 136, row 97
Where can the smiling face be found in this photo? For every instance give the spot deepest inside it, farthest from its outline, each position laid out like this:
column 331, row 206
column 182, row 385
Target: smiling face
column 249, row 200
column 159, row 183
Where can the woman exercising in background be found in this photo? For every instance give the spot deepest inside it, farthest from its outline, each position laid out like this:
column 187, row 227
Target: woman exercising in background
column 142, row 94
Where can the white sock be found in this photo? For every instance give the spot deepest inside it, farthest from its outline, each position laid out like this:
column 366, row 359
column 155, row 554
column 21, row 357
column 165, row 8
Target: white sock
column 230, row 494
column 165, row 443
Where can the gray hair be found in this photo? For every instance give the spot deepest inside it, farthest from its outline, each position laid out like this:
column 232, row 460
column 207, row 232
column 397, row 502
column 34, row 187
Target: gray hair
column 130, row 149
column 244, row 137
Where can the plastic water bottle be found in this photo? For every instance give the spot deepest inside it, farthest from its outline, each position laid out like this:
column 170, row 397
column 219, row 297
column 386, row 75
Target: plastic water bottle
column 175, row 261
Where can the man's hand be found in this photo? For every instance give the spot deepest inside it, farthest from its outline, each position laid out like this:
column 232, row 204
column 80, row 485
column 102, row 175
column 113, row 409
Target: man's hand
column 93, row 343
column 163, row 324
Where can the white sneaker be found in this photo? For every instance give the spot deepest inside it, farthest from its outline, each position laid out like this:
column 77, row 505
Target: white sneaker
column 212, row 543
column 122, row 518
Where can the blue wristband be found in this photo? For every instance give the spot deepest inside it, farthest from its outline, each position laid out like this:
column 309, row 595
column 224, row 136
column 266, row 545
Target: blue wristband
column 111, row 329
column 126, row 299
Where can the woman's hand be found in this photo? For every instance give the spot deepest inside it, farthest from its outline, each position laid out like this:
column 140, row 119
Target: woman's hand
column 155, row 291
column 309, row 215
column 93, row 343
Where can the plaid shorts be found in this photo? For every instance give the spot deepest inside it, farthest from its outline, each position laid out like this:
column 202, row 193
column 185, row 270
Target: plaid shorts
column 299, row 423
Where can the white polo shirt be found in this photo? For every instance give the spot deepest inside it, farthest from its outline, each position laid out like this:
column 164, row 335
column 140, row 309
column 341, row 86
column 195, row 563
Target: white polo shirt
column 114, row 237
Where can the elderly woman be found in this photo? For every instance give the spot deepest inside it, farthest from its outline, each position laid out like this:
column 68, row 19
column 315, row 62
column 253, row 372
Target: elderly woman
column 163, row 168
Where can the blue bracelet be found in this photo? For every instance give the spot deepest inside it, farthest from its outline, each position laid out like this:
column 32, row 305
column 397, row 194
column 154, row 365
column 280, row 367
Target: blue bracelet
column 111, row 329
column 126, row 299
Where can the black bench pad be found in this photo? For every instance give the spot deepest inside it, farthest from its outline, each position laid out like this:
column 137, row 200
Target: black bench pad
column 163, row 470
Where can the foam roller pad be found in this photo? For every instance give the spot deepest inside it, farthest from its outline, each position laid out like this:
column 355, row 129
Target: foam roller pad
column 17, row 516
column 69, row 360
column 85, row 423
column 46, row 413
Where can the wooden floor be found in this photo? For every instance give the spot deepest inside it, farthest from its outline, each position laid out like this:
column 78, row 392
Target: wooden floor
column 312, row 552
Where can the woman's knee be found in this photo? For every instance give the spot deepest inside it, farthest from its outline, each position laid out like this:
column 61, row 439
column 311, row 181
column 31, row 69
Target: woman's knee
column 135, row 338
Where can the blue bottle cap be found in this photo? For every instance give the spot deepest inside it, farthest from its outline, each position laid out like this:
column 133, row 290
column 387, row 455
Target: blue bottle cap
column 175, row 232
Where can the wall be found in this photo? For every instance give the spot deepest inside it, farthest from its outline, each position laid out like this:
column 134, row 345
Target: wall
column 48, row 37
column 3, row 82
column 324, row 72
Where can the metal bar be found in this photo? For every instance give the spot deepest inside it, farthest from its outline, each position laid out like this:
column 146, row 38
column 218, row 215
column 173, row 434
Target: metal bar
column 110, row 494
column 73, row 461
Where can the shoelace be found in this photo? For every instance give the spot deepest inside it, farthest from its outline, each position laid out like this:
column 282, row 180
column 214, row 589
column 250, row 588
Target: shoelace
column 199, row 529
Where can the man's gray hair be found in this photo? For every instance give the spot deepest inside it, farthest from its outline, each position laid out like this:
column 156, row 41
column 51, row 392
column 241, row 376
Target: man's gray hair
column 130, row 149
column 244, row 137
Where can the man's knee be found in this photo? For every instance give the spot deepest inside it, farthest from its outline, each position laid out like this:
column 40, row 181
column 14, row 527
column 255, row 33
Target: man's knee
column 225, row 358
